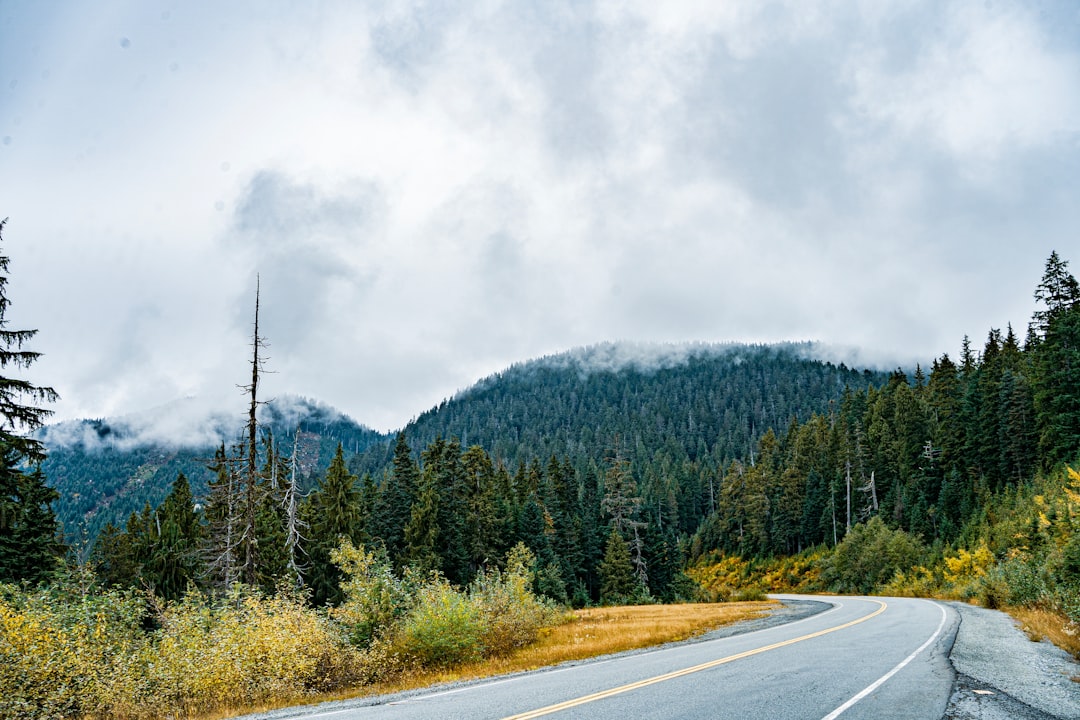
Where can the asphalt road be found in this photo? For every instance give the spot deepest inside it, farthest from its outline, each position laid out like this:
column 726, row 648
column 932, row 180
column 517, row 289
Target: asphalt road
column 860, row 658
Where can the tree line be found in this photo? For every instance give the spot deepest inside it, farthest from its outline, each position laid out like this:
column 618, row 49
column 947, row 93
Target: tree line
column 925, row 453
column 610, row 509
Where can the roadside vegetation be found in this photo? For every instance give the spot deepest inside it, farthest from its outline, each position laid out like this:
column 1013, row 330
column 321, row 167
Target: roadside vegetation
column 1023, row 556
column 70, row 650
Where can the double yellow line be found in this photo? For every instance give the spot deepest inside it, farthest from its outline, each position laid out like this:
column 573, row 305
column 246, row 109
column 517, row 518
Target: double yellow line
column 687, row 671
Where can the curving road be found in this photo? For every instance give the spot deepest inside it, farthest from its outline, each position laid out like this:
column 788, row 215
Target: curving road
column 861, row 658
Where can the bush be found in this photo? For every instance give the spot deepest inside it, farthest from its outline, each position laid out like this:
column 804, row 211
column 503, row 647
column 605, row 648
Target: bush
column 66, row 651
column 443, row 628
column 244, row 648
column 727, row 579
column 869, row 556
column 1019, row 580
column 375, row 598
column 512, row 615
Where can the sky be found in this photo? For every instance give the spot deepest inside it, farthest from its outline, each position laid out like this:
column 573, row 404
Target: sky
column 430, row 192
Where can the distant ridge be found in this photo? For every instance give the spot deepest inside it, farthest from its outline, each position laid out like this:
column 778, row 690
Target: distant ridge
column 693, row 402
column 678, row 410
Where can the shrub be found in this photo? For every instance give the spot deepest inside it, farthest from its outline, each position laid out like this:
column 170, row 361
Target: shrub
column 375, row 598
column 244, row 648
column 442, row 628
column 870, row 555
column 65, row 650
column 724, row 580
column 511, row 615
column 918, row 582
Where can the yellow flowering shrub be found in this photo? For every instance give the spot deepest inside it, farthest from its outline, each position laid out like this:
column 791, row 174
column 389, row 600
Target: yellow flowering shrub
column 728, row 578
column 965, row 568
column 244, row 648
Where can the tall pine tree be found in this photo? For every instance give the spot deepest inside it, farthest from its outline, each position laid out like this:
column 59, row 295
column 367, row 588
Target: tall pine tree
column 29, row 548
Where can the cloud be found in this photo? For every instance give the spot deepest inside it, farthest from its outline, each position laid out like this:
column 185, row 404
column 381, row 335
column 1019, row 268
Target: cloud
column 187, row 423
column 431, row 192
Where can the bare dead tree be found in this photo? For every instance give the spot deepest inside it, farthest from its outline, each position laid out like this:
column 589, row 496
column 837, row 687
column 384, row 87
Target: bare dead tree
column 294, row 525
column 250, row 475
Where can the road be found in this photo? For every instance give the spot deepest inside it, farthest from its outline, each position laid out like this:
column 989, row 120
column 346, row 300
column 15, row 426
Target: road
column 862, row 658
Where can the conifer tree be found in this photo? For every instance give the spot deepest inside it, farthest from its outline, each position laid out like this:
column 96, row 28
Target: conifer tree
column 1057, row 361
column 29, row 549
column 393, row 504
column 171, row 544
column 331, row 513
column 617, row 583
column 422, row 530
column 222, row 519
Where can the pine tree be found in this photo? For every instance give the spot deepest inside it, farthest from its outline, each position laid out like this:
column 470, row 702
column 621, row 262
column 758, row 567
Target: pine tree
column 394, row 501
column 29, row 549
column 171, row 544
column 422, row 530
column 222, row 519
column 1057, row 363
column 332, row 513
column 617, row 583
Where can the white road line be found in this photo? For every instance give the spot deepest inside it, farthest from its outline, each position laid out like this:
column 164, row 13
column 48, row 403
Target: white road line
column 881, row 680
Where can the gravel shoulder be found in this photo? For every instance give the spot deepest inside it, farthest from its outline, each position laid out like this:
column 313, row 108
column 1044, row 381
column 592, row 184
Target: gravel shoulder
column 1002, row 674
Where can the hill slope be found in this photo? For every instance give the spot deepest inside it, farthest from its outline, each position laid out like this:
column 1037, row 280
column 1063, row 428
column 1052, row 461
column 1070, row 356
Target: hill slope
column 105, row 469
column 667, row 404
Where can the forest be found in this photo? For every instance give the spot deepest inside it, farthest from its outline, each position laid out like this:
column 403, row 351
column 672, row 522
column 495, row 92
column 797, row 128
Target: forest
column 562, row 482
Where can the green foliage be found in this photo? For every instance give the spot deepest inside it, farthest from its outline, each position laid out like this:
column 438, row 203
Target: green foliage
column 375, row 599
column 869, row 556
column 332, row 512
column 28, row 528
column 443, row 628
column 29, row 549
column 617, row 583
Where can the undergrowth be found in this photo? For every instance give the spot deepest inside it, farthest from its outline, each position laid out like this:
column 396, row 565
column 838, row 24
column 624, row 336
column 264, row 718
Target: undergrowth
column 73, row 650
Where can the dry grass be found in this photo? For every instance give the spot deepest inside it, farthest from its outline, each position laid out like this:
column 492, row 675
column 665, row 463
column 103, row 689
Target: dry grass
column 601, row 631
column 585, row 634
column 1040, row 624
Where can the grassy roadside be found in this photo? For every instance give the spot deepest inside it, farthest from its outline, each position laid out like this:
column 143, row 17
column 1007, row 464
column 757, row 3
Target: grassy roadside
column 1041, row 624
column 586, row 633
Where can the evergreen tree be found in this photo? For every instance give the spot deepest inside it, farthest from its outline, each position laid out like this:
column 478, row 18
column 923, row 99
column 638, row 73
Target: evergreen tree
column 422, row 530
column 393, row 504
column 29, row 548
column 617, row 583
column 221, row 512
column 331, row 513
column 442, row 460
column 1057, row 362
column 171, row 544
column 270, row 522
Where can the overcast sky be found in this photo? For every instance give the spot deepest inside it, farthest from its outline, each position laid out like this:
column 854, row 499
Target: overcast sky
column 434, row 191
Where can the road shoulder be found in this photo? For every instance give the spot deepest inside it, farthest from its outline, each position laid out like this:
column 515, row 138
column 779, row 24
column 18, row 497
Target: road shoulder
column 1002, row 674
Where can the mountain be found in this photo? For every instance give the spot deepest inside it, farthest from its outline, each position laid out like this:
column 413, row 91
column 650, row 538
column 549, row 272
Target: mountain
column 676, row 411
column 106, row 469
column 689, row 408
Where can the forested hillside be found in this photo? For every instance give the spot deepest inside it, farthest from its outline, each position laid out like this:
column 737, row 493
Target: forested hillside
column 703, row 404
column 927, row 453
column 106, row 469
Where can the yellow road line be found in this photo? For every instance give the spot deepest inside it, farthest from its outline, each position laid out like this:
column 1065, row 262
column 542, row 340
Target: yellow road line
column 687, row 671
